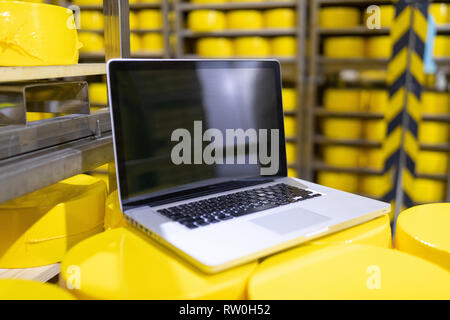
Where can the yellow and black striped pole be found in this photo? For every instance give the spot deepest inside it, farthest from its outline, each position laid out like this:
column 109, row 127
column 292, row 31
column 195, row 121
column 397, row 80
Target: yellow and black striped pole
column 405, row 79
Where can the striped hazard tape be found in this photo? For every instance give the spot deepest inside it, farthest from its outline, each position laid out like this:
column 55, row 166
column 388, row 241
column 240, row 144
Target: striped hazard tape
column 405, row 80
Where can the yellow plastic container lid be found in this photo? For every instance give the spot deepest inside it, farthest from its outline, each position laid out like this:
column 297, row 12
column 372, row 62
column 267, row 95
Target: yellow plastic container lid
column 341, row 156
column 423, row 231
column 339, row 17
column 280, row 18
column 342, row 128
column 285, row 46
column 344, row 47
column 251, row 47
column 342, row 99
column 289, row 97
column 150, row 19
column 34, row 34
column 339, row 180
column 379, row 47
column 31, row 290
column 245, row 19
column 152, row 42
column 348, row 272
column 215, row 48
column 206, row 20
column 126, row 264
column 432, row 162
column 38, row 228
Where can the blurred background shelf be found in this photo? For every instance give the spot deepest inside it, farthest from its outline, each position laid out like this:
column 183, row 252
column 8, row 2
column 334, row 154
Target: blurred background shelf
column 10, row 74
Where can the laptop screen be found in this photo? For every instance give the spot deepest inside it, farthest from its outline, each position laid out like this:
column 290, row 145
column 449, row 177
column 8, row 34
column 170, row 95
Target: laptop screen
column 187, row 125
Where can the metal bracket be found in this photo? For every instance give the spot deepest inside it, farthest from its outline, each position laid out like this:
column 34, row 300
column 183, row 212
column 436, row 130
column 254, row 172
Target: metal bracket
column 59, row 98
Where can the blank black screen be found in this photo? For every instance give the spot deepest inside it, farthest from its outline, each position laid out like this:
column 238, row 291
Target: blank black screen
column 152, row 99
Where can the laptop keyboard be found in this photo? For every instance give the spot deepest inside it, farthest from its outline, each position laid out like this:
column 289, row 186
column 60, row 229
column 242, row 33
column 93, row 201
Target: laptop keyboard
column 213, row 210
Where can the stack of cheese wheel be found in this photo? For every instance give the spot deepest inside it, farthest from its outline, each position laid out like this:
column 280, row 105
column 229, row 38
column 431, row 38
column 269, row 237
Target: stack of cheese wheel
column 152, row 20
column 441, row 15
column 243, row 20
column 432, row 162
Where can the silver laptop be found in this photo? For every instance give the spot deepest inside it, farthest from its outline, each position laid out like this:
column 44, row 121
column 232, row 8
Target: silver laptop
column 201, row 162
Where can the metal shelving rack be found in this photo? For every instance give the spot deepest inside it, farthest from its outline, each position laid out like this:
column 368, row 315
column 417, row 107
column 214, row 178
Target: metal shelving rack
column 44, row 152
column 293, row 68
column 320, row 66
column 165, row 8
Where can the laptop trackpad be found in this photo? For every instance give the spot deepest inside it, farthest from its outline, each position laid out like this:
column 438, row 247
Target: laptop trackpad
column 289, row 221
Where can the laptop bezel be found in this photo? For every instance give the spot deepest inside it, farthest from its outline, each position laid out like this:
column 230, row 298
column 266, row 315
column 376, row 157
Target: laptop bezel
column 114, row 65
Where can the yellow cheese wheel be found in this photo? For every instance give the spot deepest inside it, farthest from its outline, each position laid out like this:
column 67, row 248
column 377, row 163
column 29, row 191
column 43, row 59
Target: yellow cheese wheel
column 379, row 47
column 440, row 12
column 88, row 2
column 13, row 289
column 91, row 20
column 344, row 47
column 133, row 20
column 375, row 185
column 206, row 20
column 292, row 173
column 135, row 42
column 290, row 126
column 114, row 217
column 373, row 158
column 341, row 156
column 284, row 46
column 34, row 34
column 291, row 152
column 339, row 17
column 378, row 101
column 124, row 263
column 245, row 19
column 205, row 1
column 423, row 231
column 98, row 93
column 152, row 42
column 386, row 15
column 280, row 18
column 215, row 48
column 251, row 47
column 427, row 190
column 432, row 162
column 339, row 180
column 39, row 228
column 150, row 19
column 441, row 46
column 342, row 128
column 342, row 99
column 348, row 271
column 92, row 42
column 289, row 97
column 433, row 132
column 435, row 102
column 375, row 130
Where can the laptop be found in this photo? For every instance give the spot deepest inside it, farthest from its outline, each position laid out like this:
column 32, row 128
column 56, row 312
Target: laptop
column 201, row 162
